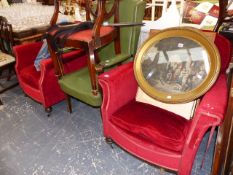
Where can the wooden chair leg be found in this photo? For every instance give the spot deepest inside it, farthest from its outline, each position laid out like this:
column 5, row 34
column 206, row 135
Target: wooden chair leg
column 9, row 74
column 92, row 71
column 69, row 105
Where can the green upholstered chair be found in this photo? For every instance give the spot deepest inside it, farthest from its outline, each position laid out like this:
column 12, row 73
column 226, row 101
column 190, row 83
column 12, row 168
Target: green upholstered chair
column 78, row 84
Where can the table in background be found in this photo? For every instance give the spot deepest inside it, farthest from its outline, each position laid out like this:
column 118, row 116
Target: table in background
column 6, row 61
column 21, row 23
column 29, row 20
column 29, row 35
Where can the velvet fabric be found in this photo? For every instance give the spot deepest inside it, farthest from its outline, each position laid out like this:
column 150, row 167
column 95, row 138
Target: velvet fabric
column 225, row 51
column 43, row 86
column 149, row 122
column 30, row 76
column 86, row 35
column 77, row 84
column 156, row 135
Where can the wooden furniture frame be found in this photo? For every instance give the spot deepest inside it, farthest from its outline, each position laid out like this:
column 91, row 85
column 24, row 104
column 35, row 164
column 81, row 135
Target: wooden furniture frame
column 223, row 17
column 93, row 39
column 6, row 44
column 29, row 35
column 100, row 15
column 6, row 35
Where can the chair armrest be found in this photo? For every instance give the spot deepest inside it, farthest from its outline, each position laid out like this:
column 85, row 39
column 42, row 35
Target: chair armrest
column 119, row 87
column 25, row 54
column 210, row 112
column 214, row 102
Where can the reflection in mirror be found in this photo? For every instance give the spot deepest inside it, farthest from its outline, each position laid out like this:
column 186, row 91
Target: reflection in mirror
column 175, row 65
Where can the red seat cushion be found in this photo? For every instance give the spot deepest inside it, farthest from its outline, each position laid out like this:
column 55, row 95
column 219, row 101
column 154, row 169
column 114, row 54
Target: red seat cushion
column 30, row 76
column 86, row 35
column 158, row 126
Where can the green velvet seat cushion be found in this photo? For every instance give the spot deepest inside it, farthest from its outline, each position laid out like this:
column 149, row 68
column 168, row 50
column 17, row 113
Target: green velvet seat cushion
column 77, row 84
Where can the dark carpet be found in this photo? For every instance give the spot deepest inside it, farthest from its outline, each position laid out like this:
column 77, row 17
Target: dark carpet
column 67, row 144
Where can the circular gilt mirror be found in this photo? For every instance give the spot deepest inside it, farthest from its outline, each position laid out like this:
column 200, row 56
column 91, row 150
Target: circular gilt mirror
column 177, row 65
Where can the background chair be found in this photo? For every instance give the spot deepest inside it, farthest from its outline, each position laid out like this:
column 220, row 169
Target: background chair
column 82, row 84
column 223, row 16
column 42, row 86
column 176, row 146
column 7, row 59
column 92, row 39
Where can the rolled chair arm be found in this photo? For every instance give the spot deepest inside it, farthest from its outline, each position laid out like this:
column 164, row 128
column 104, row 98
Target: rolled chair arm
column 119, row 87
column 214, row 102
column 210, row 112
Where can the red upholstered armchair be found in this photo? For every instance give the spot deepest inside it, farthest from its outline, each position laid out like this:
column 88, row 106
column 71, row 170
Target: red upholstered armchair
column 42, row 86
column 156, row 135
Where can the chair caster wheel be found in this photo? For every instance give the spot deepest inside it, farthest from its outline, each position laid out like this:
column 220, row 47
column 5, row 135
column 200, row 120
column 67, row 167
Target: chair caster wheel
column 109, row 141
column 48, row 110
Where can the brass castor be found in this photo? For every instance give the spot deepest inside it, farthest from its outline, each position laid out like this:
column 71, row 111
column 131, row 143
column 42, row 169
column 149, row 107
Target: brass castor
column 109, row 141
column 48, row 110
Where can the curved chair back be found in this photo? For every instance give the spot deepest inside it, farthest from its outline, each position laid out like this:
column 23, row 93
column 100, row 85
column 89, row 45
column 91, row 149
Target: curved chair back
column 6, row 36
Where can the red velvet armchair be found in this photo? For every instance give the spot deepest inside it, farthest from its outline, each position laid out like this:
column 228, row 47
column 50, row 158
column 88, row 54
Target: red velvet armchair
column 42, row 86
column 156, row 135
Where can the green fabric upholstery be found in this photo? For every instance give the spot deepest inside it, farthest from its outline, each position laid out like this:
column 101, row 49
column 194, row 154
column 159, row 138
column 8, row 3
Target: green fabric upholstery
column 130, row 11
column 77, row 84
column 117, row 59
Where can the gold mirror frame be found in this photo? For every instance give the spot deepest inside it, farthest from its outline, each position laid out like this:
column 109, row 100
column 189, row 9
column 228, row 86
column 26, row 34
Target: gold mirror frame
column 186, row 33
